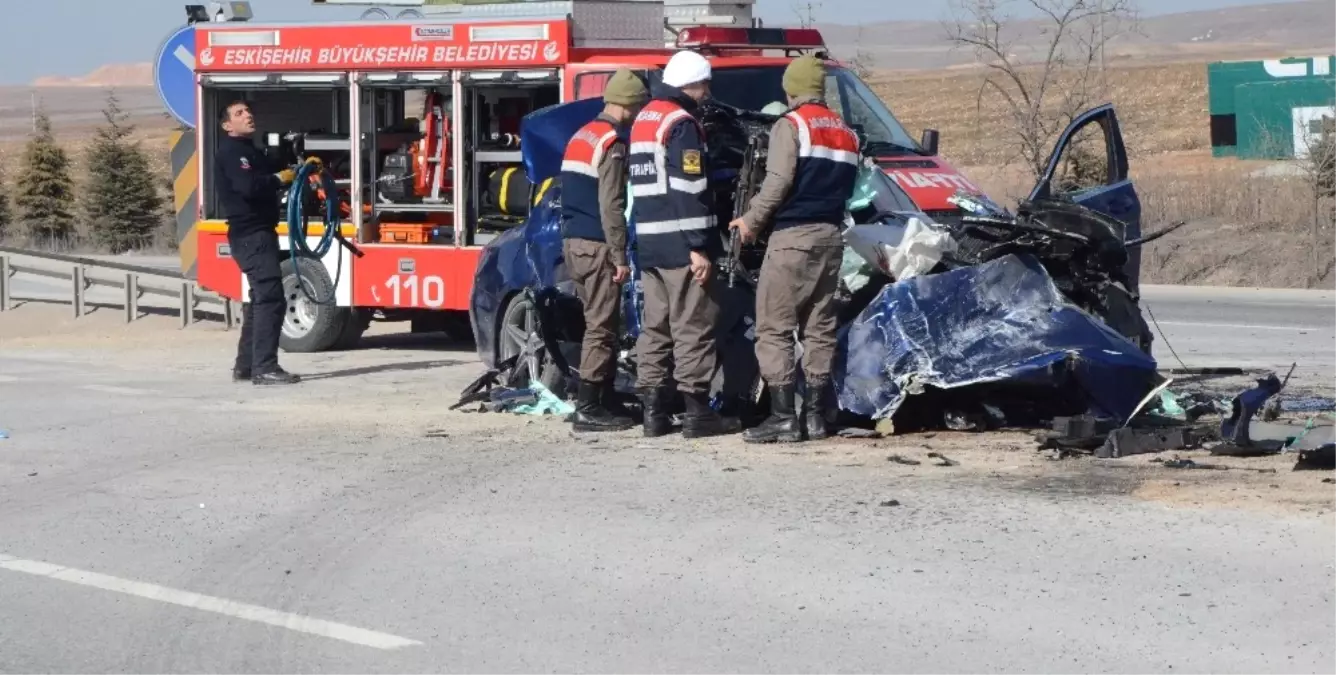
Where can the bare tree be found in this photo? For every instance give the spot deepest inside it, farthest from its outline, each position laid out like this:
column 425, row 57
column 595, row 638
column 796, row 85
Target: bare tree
column 806, row 11
column 1061, row 75
column 862, row 60
column 1317, row 166
column 1308, row 155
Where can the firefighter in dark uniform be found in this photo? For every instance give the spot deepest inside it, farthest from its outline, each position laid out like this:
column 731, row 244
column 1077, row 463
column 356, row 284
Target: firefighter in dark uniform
column 593, row 227
column 248, row 190
column 677, row 242
column 811, row 171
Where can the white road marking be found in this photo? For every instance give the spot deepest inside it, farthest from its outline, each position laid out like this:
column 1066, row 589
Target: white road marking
column 123, row 391
column 273, row 617
column 1194, row 324
column 184, row 56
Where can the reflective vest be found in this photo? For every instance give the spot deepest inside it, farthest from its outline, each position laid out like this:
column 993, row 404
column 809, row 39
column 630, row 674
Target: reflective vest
column 669, row 185
column 827, row 168
column 581, row 217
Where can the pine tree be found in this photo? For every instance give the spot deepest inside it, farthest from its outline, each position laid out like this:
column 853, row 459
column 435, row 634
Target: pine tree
column 120, row 197
column 43, row 193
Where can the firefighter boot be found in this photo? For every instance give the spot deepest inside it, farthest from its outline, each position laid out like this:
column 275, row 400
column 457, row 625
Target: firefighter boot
column 782, row 425
column 815, row 407
column 702, row 421
column 590, row 415
column 657, row 422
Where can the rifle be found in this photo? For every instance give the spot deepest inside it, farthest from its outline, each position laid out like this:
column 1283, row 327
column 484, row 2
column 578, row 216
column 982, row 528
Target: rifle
column 748, row 184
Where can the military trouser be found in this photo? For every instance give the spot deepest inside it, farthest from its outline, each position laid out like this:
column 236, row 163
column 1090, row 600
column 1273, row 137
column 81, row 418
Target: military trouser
column 677, row 330
column 796, row 292
column 591, row 268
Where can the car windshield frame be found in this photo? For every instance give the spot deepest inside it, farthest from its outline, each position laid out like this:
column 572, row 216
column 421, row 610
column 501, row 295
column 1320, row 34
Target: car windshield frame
column 846, row 94
column 876, row 122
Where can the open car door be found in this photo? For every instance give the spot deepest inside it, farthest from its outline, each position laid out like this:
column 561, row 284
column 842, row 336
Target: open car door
column 1089, row 166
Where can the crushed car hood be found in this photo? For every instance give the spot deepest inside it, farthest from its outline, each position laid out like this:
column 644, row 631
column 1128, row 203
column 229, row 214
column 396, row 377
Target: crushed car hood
column 1003, row 320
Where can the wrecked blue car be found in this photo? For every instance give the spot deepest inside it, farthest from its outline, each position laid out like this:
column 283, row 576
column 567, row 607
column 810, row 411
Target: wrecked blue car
column 990, row 319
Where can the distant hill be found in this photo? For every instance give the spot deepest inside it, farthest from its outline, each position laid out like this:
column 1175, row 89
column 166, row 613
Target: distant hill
column 1301, row 28
column 112, row 75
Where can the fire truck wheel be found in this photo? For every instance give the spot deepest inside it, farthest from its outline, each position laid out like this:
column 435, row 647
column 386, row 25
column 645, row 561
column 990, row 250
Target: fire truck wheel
column 314, row 321
column 519, row 336
column 358, row 321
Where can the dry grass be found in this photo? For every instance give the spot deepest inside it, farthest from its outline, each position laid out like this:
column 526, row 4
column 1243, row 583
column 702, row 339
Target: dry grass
column 1244, row 229
column 1162, row 108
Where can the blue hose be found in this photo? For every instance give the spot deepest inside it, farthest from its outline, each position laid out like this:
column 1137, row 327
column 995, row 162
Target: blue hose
column 297, row 226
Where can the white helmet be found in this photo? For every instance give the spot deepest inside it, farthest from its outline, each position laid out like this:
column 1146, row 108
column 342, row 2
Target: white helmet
column 686, row 67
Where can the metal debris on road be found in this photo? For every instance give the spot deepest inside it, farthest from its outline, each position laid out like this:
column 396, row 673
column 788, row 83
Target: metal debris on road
column 1127, row 441
column 897, row 459
column 942, row 460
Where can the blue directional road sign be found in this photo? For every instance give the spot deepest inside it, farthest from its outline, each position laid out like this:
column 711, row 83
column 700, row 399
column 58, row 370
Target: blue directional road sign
column 174, row 75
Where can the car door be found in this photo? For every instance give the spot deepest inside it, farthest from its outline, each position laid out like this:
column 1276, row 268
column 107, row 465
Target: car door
column 1089, row 166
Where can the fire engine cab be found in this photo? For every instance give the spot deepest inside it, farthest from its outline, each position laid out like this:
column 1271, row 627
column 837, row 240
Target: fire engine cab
column 417, row 123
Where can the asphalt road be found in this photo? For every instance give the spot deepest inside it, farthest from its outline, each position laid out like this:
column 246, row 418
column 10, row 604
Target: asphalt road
column 156, row 518
column 1202, row 326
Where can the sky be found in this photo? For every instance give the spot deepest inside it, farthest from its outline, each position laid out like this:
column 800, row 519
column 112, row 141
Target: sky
column 36, row 41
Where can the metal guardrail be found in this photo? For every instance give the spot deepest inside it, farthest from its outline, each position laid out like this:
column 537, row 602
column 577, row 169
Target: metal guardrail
column 15, row 261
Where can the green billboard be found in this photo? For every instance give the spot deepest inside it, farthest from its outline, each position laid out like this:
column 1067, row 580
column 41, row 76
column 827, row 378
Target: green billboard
column 1268, row 109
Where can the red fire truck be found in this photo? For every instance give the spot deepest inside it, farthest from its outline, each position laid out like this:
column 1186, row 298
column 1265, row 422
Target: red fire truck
column 418, row 121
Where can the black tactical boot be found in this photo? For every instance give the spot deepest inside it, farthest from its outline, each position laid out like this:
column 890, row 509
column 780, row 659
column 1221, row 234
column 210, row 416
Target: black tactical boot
column 702, row 421
column 590, row 415
column 657, row 421
column 241, row 375
column 612, row 400
column 815, row 408
column 275, row 376
column 782, row 425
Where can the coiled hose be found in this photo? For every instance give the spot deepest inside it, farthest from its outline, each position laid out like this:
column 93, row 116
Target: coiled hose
column 298, row 241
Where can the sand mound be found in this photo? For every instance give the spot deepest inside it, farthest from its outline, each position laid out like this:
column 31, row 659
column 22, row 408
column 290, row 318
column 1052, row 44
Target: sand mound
column 111, row 75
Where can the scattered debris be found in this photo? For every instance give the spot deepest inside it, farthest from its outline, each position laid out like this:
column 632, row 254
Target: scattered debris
column 1081, row 432
column 855, row 432
column 942, row 460
column 1321, row 459
column 1213, row 372
column 437, row 433
column 1308, row 404
column 3, row 434
column 1244, row 406
column 480, row 390
column 1329, row 480
column 1179, row 463
column 1127, row 441
column 1188, row 464
column 890, row 502
column 897, row 459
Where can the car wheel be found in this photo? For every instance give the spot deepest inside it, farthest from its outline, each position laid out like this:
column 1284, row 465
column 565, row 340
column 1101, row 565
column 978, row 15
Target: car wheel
column 314, row 322
column 519, row 336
